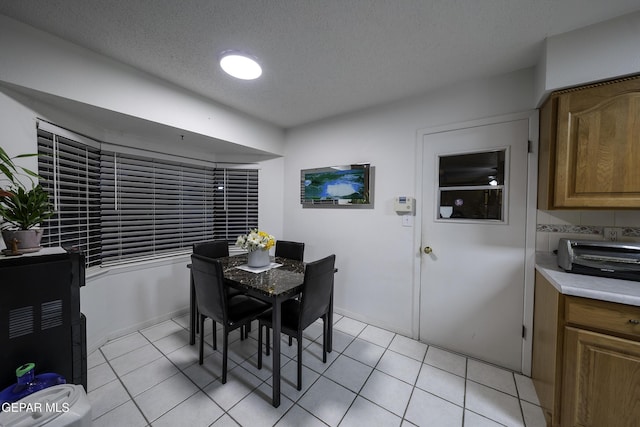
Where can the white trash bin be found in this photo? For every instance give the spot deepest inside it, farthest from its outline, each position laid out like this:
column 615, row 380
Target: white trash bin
column 64, row 405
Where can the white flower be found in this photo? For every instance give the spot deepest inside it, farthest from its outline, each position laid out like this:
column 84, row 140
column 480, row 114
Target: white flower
column 256, row 239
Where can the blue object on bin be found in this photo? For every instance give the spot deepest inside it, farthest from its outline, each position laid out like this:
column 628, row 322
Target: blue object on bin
column 28, row 383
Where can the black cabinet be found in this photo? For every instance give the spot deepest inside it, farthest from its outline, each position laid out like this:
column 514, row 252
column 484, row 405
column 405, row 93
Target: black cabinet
column 40, row 319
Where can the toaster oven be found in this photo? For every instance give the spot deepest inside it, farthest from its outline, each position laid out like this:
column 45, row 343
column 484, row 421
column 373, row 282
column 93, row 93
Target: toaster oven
column 618, row 260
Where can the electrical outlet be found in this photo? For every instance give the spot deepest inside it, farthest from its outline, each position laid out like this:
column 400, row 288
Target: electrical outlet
column 611, row 234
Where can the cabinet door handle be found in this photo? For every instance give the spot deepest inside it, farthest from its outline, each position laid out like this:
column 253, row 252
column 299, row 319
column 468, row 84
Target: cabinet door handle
column 634, row 321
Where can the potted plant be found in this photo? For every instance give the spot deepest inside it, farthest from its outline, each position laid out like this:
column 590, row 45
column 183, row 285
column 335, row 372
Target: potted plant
column 21, row 208
column 11, row 171
column 257, row 243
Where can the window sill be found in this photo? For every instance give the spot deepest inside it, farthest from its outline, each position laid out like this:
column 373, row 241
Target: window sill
column 93, row 273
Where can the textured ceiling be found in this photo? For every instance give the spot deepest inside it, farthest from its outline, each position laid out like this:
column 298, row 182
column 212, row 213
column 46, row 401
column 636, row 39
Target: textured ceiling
column 320, row 57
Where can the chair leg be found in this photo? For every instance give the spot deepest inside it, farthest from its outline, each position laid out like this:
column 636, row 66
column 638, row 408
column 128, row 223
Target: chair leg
column 259, row 346
column 299, row 360
column 290, row 341
column 267, row 342
column 201, row 355
column 247, row 329
column 215, row 335
column 225, row 347
column 324, row 339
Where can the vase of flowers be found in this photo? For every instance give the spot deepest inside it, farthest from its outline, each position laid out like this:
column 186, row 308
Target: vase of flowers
column 257, row 243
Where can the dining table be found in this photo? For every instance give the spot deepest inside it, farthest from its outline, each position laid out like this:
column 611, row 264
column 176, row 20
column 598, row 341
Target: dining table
column 281, row 280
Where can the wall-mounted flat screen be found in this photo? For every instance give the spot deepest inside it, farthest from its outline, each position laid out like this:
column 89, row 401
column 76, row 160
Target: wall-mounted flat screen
column 336, row 185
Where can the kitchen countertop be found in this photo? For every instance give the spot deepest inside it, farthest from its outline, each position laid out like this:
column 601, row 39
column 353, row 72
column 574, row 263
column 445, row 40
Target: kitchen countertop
column 580, row 285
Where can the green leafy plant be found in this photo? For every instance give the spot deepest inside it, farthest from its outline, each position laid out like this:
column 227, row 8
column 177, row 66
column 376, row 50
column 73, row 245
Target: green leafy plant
column 11, row 171
column 20, row 206
column 25, row 208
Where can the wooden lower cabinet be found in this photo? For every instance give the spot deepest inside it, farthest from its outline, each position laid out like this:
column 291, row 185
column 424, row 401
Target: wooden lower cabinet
column 546, row 364
column 586, row 359
column 601, row 381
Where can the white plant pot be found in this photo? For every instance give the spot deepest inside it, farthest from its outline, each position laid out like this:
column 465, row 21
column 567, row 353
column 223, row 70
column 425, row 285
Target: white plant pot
column 25, row 240
column 258, row 258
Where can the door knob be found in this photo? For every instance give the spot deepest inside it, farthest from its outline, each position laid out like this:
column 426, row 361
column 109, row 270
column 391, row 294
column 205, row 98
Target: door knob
column 428, row 250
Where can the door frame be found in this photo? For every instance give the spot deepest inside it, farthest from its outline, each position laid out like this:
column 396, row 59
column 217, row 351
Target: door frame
column 530, row 233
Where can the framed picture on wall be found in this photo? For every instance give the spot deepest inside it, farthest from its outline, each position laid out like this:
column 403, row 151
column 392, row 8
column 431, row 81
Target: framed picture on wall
column 337, row 186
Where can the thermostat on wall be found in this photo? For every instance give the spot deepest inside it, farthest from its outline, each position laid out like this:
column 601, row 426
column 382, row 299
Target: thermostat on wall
column 404, row 204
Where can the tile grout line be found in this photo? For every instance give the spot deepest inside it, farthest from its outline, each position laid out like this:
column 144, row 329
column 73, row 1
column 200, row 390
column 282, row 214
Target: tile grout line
column 108, row 362
column 413, row 389
column 227, row 411
column 295, row 403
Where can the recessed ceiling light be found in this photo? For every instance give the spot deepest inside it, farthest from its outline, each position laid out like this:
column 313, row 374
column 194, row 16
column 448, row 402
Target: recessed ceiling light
column 240, row 66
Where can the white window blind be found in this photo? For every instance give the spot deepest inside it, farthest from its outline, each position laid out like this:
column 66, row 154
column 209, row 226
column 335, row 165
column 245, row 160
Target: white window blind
column 153, row 207
column 118, row 207
column 235, row 203
column 70, row 173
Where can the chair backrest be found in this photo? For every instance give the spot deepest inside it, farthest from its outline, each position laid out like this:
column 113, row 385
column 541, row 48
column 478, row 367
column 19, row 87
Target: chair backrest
column 316, row 290
column 291, row 250
column 211, row 294
column 212, row 248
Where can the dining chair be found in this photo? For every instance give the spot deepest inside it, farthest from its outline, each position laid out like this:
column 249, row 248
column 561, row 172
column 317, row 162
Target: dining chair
column 215, row 249
column 291, row 250
column 212, row 248
column 214, row 303
column 298, row 314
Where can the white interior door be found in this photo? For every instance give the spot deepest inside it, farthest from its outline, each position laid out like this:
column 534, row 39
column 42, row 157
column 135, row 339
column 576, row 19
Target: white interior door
column 472, row 281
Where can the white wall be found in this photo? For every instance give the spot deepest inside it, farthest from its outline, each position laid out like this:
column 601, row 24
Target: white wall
column 124, row 299
column 127, row 299
column 36, row 60
column 375, row 253
column 598, row 52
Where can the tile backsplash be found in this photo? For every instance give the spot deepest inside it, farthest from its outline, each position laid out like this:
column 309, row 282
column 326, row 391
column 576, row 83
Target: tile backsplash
column 584, row 225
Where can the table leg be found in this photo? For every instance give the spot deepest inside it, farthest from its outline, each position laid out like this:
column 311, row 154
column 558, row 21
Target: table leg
column 276, row 323
column 192, row 311
column 330, row 325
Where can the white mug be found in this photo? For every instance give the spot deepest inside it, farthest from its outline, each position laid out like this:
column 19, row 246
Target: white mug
column 446, row 211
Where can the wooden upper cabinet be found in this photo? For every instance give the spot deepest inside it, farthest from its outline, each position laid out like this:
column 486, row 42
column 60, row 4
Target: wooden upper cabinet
column 590, row 147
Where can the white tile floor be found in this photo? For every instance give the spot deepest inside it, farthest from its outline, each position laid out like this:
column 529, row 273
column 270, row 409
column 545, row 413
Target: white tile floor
column 372, row 378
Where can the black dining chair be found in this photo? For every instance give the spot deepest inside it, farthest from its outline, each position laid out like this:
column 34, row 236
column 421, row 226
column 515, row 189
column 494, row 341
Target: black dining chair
column 215, row 249
column 291, row 250
column 213, row 302
column 212, row 248
column 298, row 314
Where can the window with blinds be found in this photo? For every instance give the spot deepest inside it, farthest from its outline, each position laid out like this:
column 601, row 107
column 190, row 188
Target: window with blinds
column 138, row 207
column 70, row 173
column 235, row 203
column 152, row 207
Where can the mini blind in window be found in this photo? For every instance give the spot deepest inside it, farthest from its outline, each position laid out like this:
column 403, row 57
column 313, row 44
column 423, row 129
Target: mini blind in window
column 154, row 207
column 118, row 207
column 70, row 173
column 235, row 203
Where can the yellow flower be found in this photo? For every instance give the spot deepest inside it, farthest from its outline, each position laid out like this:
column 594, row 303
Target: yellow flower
column 256, row 239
